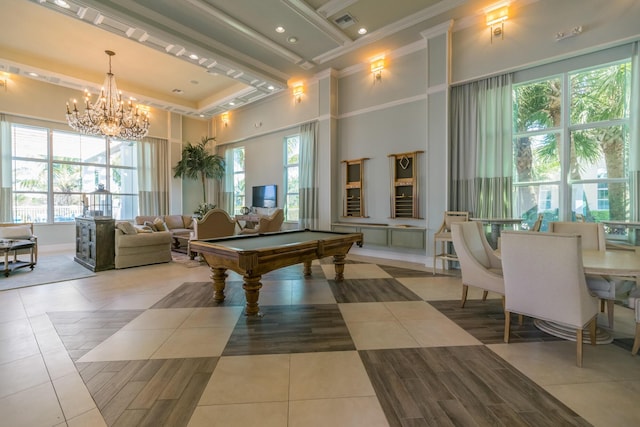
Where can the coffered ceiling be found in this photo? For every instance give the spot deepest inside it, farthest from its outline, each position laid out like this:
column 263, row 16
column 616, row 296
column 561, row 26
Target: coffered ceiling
column 203, row 57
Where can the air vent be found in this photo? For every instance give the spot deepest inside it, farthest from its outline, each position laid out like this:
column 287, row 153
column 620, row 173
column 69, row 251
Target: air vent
column 345, row 21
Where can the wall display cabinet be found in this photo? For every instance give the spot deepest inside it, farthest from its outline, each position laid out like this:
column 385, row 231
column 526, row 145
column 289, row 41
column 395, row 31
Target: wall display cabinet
column 404, row 185
column 95, row 243
column 354, row 188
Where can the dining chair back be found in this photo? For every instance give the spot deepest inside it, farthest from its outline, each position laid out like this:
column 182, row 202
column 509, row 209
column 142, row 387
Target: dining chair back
column 537, row 225
column 479, row 265
column 443, row 237
column 592, row 233
column 544, row 279
column 593, row 238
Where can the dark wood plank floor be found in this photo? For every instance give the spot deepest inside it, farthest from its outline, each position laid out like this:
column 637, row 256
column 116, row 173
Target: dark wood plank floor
column 485, row 321
column 459, row 386
column 147, row 392
column 371, row 290
column 291, row 329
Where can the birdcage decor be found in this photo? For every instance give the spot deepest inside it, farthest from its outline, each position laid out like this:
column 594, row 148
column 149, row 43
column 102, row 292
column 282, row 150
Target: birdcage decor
column 100, row 203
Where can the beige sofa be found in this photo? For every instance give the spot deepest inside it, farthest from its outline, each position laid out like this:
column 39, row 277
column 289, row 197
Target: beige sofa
column 135, row 248
column 178, row 225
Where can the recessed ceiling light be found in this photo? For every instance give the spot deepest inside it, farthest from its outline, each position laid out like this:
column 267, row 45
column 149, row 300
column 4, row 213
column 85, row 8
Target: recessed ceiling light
column 201, row 115
column 178, row 91
column 292, row 39
column 193, row 56
column 32, row 74
column 280, row 30
column 270, row 87
column 62, row 3
column 232, row 103
column 362, row 30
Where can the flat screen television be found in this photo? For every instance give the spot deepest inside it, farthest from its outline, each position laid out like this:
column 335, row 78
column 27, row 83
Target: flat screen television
column 264, row 196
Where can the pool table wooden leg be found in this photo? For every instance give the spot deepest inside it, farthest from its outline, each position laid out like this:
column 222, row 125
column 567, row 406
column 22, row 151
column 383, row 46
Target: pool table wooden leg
column 251, row 288
column 338, row 261
column 307, row 268
column 219, row 277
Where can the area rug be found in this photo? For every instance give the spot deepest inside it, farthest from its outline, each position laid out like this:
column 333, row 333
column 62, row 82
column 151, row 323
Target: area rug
column 185, row 261
column 50, row 269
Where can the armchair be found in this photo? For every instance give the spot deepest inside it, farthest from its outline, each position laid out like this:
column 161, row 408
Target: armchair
column 593, row 238
column 215, row 223
column 443, row 236
column 267, row 224
column 479, row 265
column 544, row 278
column 20, row 231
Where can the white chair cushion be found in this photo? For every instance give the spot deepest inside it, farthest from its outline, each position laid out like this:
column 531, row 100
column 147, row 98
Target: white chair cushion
column 16, row 232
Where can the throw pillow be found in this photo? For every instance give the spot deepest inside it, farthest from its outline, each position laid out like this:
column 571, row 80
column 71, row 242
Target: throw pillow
column 144, row 230
column 151, row 225
column 160, row 225
column 126, row 227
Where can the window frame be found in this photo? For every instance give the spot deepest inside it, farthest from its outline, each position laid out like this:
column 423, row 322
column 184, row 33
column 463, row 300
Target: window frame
column 287, row 167
column 50, row 194
column 564, row 133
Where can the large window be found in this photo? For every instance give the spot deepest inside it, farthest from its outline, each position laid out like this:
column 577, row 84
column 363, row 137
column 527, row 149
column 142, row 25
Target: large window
column 571, row 145
column 239, row 194
column 292, row 168
column 52, row 169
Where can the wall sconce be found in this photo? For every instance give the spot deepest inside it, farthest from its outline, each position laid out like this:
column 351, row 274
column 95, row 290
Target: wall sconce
column 495, row 20
column 4, row 80
column 225, row 119
column 298, row 91
column 377, row 65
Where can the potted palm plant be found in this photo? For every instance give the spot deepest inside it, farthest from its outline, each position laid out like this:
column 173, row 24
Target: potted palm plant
column 198, row 163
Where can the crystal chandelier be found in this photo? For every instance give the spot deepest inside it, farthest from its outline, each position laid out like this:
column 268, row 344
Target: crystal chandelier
column 109, row 116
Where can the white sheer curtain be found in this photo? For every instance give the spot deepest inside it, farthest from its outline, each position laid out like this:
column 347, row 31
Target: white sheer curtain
column 153, row 176
column 481, row 147
column 6, row 200
column 225, row 195
column 308, row 184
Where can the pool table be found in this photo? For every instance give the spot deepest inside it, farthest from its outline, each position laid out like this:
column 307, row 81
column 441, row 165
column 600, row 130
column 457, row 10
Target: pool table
column 254, row 255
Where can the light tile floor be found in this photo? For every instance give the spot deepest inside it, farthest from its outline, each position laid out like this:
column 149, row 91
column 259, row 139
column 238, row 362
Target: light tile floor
column 39, row 385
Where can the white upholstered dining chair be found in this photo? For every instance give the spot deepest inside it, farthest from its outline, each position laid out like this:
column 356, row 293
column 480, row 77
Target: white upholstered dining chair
column 443, row 237
column 544, row 279
column 593, row 238
column 479, row 265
